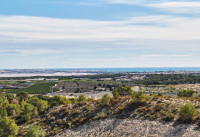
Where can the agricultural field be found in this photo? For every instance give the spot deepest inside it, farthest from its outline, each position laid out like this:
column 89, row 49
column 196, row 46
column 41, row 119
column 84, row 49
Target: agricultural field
column 38, row 88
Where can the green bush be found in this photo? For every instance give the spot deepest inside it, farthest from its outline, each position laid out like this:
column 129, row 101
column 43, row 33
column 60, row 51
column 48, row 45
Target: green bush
column 23, row 96
column 59, row 100
column 10, row 97
column 115, row 94
column 160, row 94
column 187, row 113
column 122, row 91
column 138, row 98
column 186, row 93
column 169, row 117
column 3, row 112
column 82, row 98
column 42, row 105
column 13, row 109
column 3, row 101
column 35, row 131
column 105, row 100
column 8, row 128
column 29, row 112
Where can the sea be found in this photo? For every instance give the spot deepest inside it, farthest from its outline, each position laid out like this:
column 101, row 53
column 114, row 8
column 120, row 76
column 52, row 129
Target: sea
column 146, row 69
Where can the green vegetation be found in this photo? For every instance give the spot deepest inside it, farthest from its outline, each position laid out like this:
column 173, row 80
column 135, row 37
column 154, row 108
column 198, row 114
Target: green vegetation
column 28, row 112
column 58, row 100
column 22, row 96
column 122, row 91
column 42, row 105
column 23, row 113
column 39, row 88
column 186, row 93
column 187, row 113
column 17, row 110
column 105, row 100
column 8, row 127
column 35, row 131
column 170, row 79
column 82, row 98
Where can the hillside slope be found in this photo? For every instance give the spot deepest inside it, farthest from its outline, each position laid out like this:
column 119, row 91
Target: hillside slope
column 131, row 128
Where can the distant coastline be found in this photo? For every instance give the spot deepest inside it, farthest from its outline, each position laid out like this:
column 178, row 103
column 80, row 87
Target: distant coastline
column 137, row 69
column 125, row 69
column 94, row 71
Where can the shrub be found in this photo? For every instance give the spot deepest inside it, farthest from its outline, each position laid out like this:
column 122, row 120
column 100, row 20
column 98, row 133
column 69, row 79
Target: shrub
column 138, row 98
column 82, row 98
column 3, row 113
column 3, row 101
column 43, row 97
column 59, row 121
column 105, row 100
column 15, row 101
column 13, row 109
column 10, row 97
column 59, row 100
column 91, row 99
column 100, row 115
column 186, row 93
column 187, row 113
column 115, row 94
column 72, row 100
column 35, row 131
column 122, row 91
column 29, row 111
column 42, row 105
column 8, row 127
column 78, row 90
column 22, row 95
column 168, row 117
column 69, row 124
column 160, row 94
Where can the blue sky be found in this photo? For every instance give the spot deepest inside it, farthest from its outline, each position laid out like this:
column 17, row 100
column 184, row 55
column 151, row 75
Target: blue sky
column 99, row 33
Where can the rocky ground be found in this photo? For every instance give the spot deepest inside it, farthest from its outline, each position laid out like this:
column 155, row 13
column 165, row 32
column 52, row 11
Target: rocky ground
column 131, row 128
column 94, row 95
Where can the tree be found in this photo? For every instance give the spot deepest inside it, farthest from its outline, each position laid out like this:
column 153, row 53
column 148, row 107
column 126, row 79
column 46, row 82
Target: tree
column 35, row 131
column 8, row 127
column 29, row 111
column 105, row 100
column 82, row 98
column 23, row 96
column 187, row 113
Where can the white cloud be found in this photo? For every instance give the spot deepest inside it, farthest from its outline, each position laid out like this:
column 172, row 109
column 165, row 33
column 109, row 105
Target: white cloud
column 23, row 28
column 123, row 1
column 178, row 7
column 166, row 56
column 28, row 52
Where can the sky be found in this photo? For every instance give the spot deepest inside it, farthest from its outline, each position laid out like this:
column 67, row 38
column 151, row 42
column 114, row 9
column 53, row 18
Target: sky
column 99, row 33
